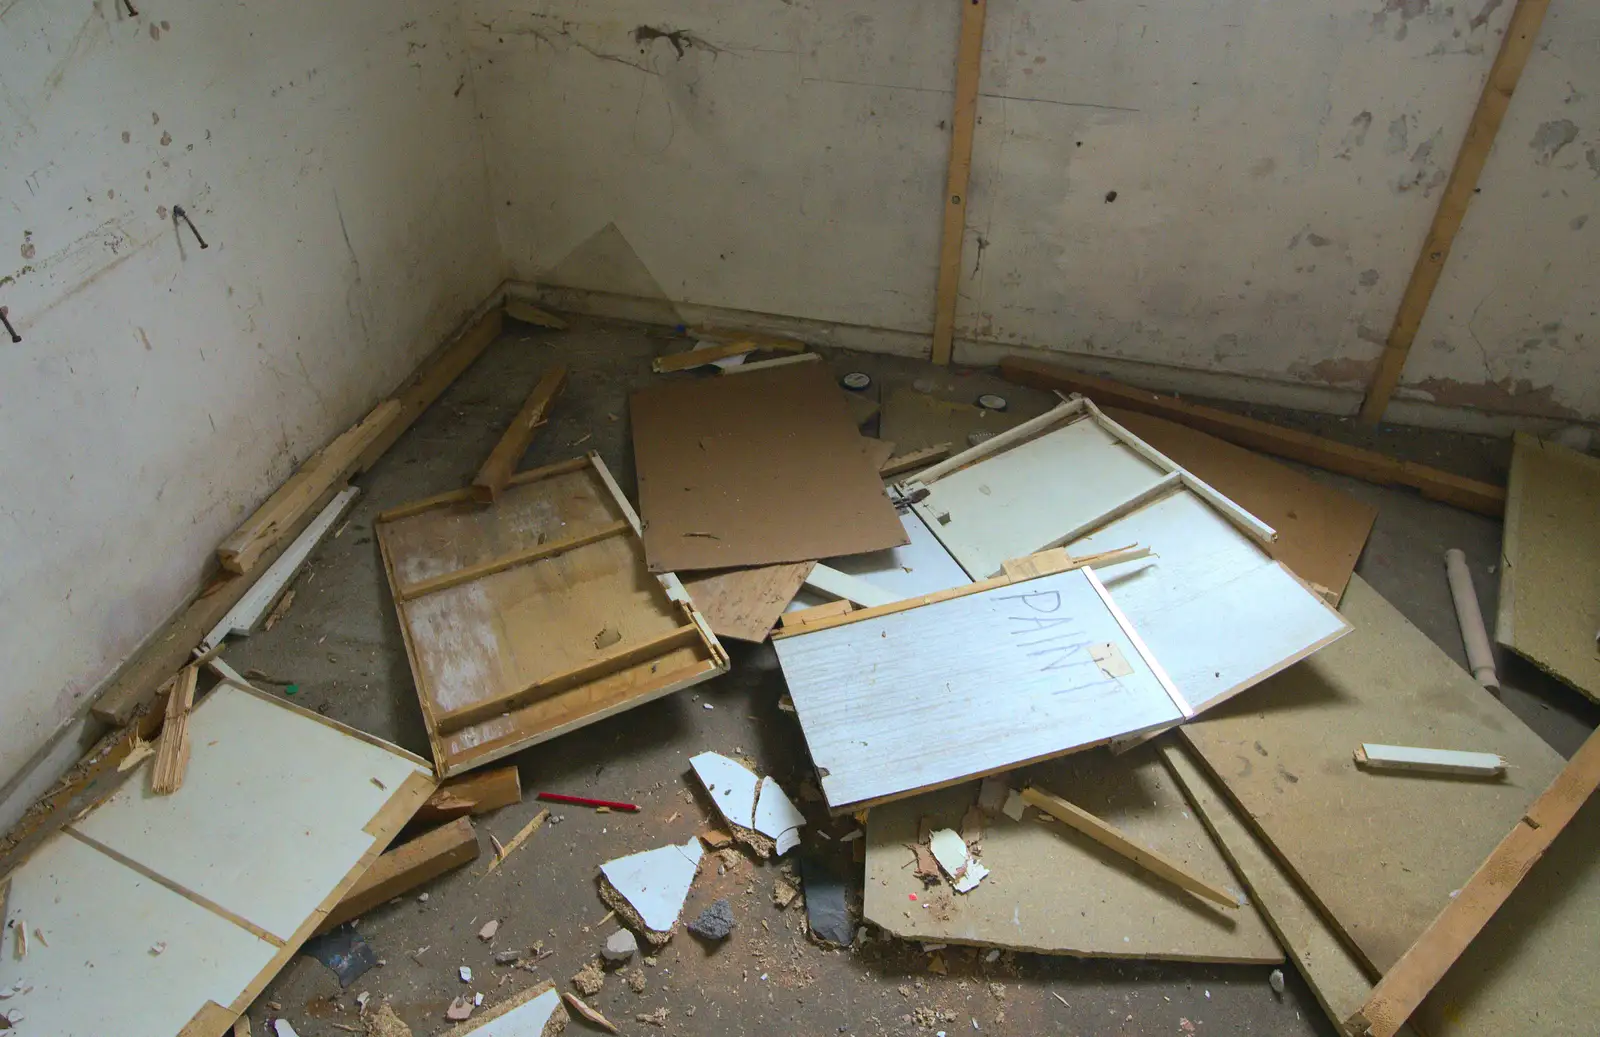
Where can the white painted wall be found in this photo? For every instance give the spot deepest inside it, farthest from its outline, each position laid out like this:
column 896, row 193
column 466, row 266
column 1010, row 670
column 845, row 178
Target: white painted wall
column 329, row 154
column 1275, row 166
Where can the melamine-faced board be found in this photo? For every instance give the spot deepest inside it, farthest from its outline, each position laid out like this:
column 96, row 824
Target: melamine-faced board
column 1055, row 891
column 1024, row 499
column 968, row 686
column 922, row 566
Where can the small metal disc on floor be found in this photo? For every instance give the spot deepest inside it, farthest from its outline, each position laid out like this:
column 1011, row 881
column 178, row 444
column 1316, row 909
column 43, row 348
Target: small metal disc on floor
column 992, row 401
column 856, row 381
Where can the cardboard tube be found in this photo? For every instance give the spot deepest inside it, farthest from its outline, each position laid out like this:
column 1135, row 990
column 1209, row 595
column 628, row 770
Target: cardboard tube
column 1473, row 634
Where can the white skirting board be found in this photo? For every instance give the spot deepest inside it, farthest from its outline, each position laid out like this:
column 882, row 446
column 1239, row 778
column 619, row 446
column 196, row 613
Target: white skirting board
column 940, row 693
column 158, row 911
column 1212, row 605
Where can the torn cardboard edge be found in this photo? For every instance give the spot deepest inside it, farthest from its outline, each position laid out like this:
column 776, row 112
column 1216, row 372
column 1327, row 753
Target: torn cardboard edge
column 760, row 814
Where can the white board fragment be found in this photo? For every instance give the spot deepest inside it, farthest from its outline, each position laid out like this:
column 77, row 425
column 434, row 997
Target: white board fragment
column 776, row 817
column 950, row 850
column 656, row 882
column 731, row 786
column 525, row 1020
column 1376, row 757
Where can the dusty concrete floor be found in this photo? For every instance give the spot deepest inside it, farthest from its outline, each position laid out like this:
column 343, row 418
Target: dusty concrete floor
column 341, row 645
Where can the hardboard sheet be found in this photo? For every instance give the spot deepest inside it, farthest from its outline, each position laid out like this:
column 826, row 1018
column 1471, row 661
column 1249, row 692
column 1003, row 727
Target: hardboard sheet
column 764, row 468
column 941, row 693
column 157, row 910
column 1055, row 891
column 504, row 631
column 745, row 604
column 1550, row 571
column 1321, row 530
column 915, row 420
column 1380, row 853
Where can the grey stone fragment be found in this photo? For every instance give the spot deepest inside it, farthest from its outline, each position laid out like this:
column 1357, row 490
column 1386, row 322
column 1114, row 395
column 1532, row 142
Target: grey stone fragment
column 715, row 922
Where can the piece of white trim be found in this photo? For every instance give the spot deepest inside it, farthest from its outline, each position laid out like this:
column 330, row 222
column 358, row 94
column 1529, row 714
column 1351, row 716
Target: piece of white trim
column 1139, row 646
column 1062, row 415
column 836, row 584
column 243, row 617
column 1474, row 636
column 1376, row 757
column 762, row 365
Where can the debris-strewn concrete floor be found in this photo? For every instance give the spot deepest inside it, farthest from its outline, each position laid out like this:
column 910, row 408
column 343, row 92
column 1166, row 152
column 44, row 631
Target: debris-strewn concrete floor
column 340, row 643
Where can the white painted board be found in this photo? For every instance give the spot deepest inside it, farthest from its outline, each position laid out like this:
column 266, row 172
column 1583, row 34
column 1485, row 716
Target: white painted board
column 963, row 687
column 1211, row 606
column 243, row 617
column 526, row 1020
column 656, row 882
column 289, row 797
column 1026, row 498
column 922, row 566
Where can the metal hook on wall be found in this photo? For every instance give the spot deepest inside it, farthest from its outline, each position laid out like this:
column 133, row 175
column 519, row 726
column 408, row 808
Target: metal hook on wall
column 5, row 318
column 132, row 11
column 178, row 213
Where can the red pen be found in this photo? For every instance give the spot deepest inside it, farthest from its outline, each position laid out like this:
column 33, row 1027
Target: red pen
column 585, row 801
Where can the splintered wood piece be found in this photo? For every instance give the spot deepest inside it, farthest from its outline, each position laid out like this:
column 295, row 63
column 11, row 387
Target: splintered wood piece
column 578, row 1005
column 528, row 313
column 502, row 852
column 322, row 470
column 405, row 868
column 475, row 793
column 1109, row 837
column 172, row 755
column 507, row 453
column 1404, row 986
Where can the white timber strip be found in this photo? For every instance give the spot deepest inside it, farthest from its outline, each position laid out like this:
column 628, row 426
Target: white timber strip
column 669, row 581
column 243, row 617
column 1139, row 646
column 1028, row 429
column 837, row 584
column 1251, row 526
column 1376, row 757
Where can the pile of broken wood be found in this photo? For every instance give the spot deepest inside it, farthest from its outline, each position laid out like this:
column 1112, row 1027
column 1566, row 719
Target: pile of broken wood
column 1096, row 681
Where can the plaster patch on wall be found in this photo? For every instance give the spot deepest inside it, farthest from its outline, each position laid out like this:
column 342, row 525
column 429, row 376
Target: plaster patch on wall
column 1551, row 137
column 1337, row 371
column 1507, row 395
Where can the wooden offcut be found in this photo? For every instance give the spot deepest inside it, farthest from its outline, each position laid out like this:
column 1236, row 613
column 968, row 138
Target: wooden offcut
column 911, row 460
column 1550, row 562
column 1368, row 465
column 321, row 472
column 1425, row 963
column 538, row 614
column 1413, row 759
column 1153, row 861
column 963, row 122
column 1379, row 856
column 710, row 354
column 507, row 453
column 172, row 755
column 1515, row 46
column 745, row 604
column 527, row 313
column 762, row 469
column 476, row 793
column 406, row 867
column 133, row 687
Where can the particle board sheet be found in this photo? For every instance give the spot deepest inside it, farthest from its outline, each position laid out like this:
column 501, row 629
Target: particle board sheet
column 933, row 695
column 1379, row 853
column 764, row 468
column 503, row 633
column 922, row 566
column 915, row 420
column 1321, row 530
column 1550, row 566
column 745, row 604
column 161, row 910
column 1024, row 499
column 1054, row 891
column 1213, row 607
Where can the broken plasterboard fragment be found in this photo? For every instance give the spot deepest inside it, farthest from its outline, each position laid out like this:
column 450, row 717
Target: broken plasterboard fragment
column 777, row 817
column 950, row 850
column 975, row 874
column 1110, row 659
column 656, row 882
column 1014, row 807
column 732, row 787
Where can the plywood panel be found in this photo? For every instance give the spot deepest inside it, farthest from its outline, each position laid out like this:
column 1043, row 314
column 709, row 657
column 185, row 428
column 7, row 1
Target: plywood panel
column 477, row 642
column 1380, row 853
column 764, row 468
column 940, row 693
column 1026, row 498
column 1321, row 530
column 1550, row 573
column 1054, row 891
column 250, row 784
